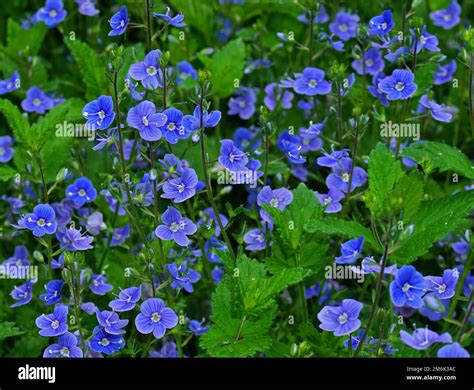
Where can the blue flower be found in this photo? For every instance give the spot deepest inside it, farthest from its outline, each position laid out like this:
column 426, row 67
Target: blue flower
column 52, row 13
column 319, row 17
column 332, row 159
column 276, row 95
column 208, row 218
column 37, row 101
column 10, row 84
column 311, row 82
column 73, row 239
column 369, row 266
column 120, row 235
column 87, row 7
column 342, row 319
column 444, row 73
column 447, row 17
column 173, row 21
column 148, row 122
column 127, row 299
column 81, row 192
column 255, row 240
column 155, row 317
column 244, row 104
column 331, row 200
column 340, row 176
column 181, row 188
column 110, row 321
column 434, row 308
column 399, row 85
column 175, row 227
column 440, row 112
column 185, row 70
column 99, row 113
column 445, row 286
column 217, row 274
column 197, row 327
column 173, row 129
column 376, row 92
column 345, row 25
column 6, row 151
column 103, row 342
column 53, row 292
column 183, row 277
column 381, row 24
column 99, row 285
column 422, row 338
column 279, row 198
column 373, row 60
column 42, row 221
column 168, row 350
column 453, row 350
column 232, row 158
column 67, row 347
column 53, row 324
column 408, row 287
column 148, row 71
column 119, row 22
column 424, row 41
column 22, row 294
column 350, row 251
column 193, row 122
column 292, row 146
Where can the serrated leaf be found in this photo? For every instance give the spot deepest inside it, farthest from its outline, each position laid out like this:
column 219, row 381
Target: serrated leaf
column 432, row 155
column 340, row 227
column 9, row 329
column 19, row 39
column 17, row 122
column 91, row 67
column 384, row 171
column 6, row 173
column 433, row 221
column 226, row 66
column 407, row 195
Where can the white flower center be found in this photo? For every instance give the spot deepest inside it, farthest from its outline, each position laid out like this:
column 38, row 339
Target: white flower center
column 369, row 62
column 345, row 177
column 313, row 83
column 155, row 317
column 399, row 86
column 274, row 203
column 442, row 288
column 343, row 27
column 104, row 342
column 52, row 13
column 101, row 114
column 64, row 351
column 81, row 192
column 145, row 120
column 36, row 102
column 55, row 324
column 41, row 222
column 171, row 126
column 405, row 287
column 174, row 227
column 342, row 318
column 151, row 70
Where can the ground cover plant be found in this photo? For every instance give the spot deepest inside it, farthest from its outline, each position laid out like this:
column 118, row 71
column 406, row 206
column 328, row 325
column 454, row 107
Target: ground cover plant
column 236, row 178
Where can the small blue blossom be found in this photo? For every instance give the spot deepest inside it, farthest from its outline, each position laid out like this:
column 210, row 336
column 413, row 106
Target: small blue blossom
column 342, row 319
column 103, row 342
column 341, row 176
column 408, row 287
column 66, row 347
column 52, row 13
column 126, row 300
column 182, row 276
column 381, row 24
column 444, row 73
column 399, row 85
column 81, row 192
column 181, row 188
column 119, row 22
column 255, row 240
column 53, row 292
column 175, row 227
column 424, row 41
column 232, row 158
column 244, row 104
column 173, row 129
column 87, row 7
column 175, row 21
column 447, row 18
column 10, row 84
column 185, row 70
column 311, row 82
column 99, row 285
column 373, row 60
column 331, row 200
column 155, row 318
column 6, row 151
column 54, row 324
column 453, row 350
column 193, row 122
column 148, row 71
column 443, row 286
column 350, row 251
column 99, row 113
column 22, row 294
column 37, row 101
column 110, row 321
column 146, row 120
column 422, row 338
column 345, row 25
column 197, row 327
column 440, row 112
column 42, row 221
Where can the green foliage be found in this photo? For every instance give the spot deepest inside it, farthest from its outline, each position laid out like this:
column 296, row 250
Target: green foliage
column 433, row 221
column 198, row 14
column 435, row 155
column 226, row 66
column 17, row 122
column 407, row 195
column 91, row 67
column 9, row 329
column 243, row 308
column 384, row 172
column 6, row 173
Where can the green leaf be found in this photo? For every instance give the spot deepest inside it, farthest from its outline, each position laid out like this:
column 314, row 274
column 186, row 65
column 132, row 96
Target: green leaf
column 407, row 195
column 340, row 227
column 198, row 14
column 431, row 155
column 433, row 221
column 226, row 66
column 384, row 172
column 6, row 173
column 9, row 329
column 91, row 67
column 19, row 39
column 18, row 123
